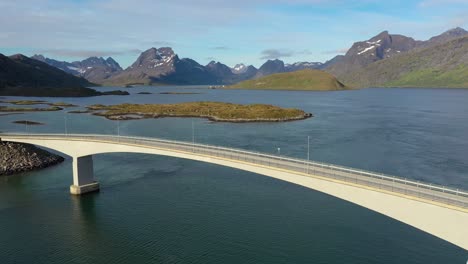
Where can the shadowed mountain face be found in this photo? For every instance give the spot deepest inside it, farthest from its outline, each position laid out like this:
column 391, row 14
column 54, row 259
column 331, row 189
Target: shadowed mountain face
column 22, row 76
column 270, row 67
column 278, row 66
column 94, row 69
column 226, row 75
column 163, row 66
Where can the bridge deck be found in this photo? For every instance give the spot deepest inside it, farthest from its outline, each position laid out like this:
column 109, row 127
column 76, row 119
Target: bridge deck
column 454, row 198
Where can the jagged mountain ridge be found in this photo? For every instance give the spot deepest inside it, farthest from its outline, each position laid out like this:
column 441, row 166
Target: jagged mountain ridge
column 383, row 46
column 363, row 53
column 163, row 66
column 94, row 69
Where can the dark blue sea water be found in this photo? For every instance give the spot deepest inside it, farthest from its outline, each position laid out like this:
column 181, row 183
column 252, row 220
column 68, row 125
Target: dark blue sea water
column 155, row 209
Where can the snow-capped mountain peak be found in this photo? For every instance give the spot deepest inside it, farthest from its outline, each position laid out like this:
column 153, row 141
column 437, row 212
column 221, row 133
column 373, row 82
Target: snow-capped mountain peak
column 239, row 68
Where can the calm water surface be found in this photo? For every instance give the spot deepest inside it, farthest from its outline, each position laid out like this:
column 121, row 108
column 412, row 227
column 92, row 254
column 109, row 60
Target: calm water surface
column 155, row 209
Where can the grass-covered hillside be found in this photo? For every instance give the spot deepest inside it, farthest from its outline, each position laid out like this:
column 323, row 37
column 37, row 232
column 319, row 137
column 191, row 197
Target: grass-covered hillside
column 444, row 65
column 310, row 80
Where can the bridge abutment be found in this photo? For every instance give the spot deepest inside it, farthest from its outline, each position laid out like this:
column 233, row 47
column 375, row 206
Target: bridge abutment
column 83, row 176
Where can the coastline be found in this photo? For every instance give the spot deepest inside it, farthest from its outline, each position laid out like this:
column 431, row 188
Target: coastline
column 18, row 157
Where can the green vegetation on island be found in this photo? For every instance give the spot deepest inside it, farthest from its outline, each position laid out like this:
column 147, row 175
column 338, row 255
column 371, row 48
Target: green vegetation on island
column 306, row 80
column 215, row 111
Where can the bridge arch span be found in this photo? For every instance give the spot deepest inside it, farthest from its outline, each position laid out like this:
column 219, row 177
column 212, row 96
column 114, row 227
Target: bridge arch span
column 441, row 218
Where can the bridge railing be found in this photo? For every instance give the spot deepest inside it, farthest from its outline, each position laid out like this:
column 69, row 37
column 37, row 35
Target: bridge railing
column 442, row 194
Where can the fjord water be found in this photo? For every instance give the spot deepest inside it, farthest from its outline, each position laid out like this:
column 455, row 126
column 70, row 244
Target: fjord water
column 155, row 209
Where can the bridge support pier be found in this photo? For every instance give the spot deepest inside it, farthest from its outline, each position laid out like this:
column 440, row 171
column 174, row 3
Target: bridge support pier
column 83, row 176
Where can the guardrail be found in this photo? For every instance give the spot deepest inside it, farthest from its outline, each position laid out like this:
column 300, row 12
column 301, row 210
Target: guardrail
column 441, row 194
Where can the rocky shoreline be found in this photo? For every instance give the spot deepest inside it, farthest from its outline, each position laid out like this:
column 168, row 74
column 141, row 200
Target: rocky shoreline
column 20, row 157
column 137, row 115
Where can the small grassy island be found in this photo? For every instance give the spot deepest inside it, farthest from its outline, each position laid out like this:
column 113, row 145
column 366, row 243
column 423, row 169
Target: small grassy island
column 62, row 104
column 29, row 109
column 215, row 111
column 27, row 122
column 178, row 93
column 79, row 112
column 38, row 102
column 304, row 80
column 24, row 102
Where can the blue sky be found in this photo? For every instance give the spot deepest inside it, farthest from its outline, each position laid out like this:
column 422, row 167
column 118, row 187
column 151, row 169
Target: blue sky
column 247, row 31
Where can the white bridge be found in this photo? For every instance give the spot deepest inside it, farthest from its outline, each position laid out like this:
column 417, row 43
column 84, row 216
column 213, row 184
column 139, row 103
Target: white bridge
column 438, row 210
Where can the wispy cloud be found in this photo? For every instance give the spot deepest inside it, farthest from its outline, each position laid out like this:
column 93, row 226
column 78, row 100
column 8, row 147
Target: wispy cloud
column 162, row 43
column 87, row 53
column 337, row 51
column 270, row 54
column 220, row 48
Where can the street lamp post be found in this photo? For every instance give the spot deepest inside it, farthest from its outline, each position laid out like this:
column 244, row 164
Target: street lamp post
column 308, row 153
column 66, row 124
column 193, row 136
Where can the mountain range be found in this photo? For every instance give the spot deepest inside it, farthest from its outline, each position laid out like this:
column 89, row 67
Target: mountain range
column 23, row 76
column 385, row 60
column 357, row 68
column 94, row 69
column 158, row 66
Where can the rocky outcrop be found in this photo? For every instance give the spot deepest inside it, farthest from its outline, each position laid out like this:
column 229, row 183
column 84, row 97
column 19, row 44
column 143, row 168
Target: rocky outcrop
column 19, row 157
